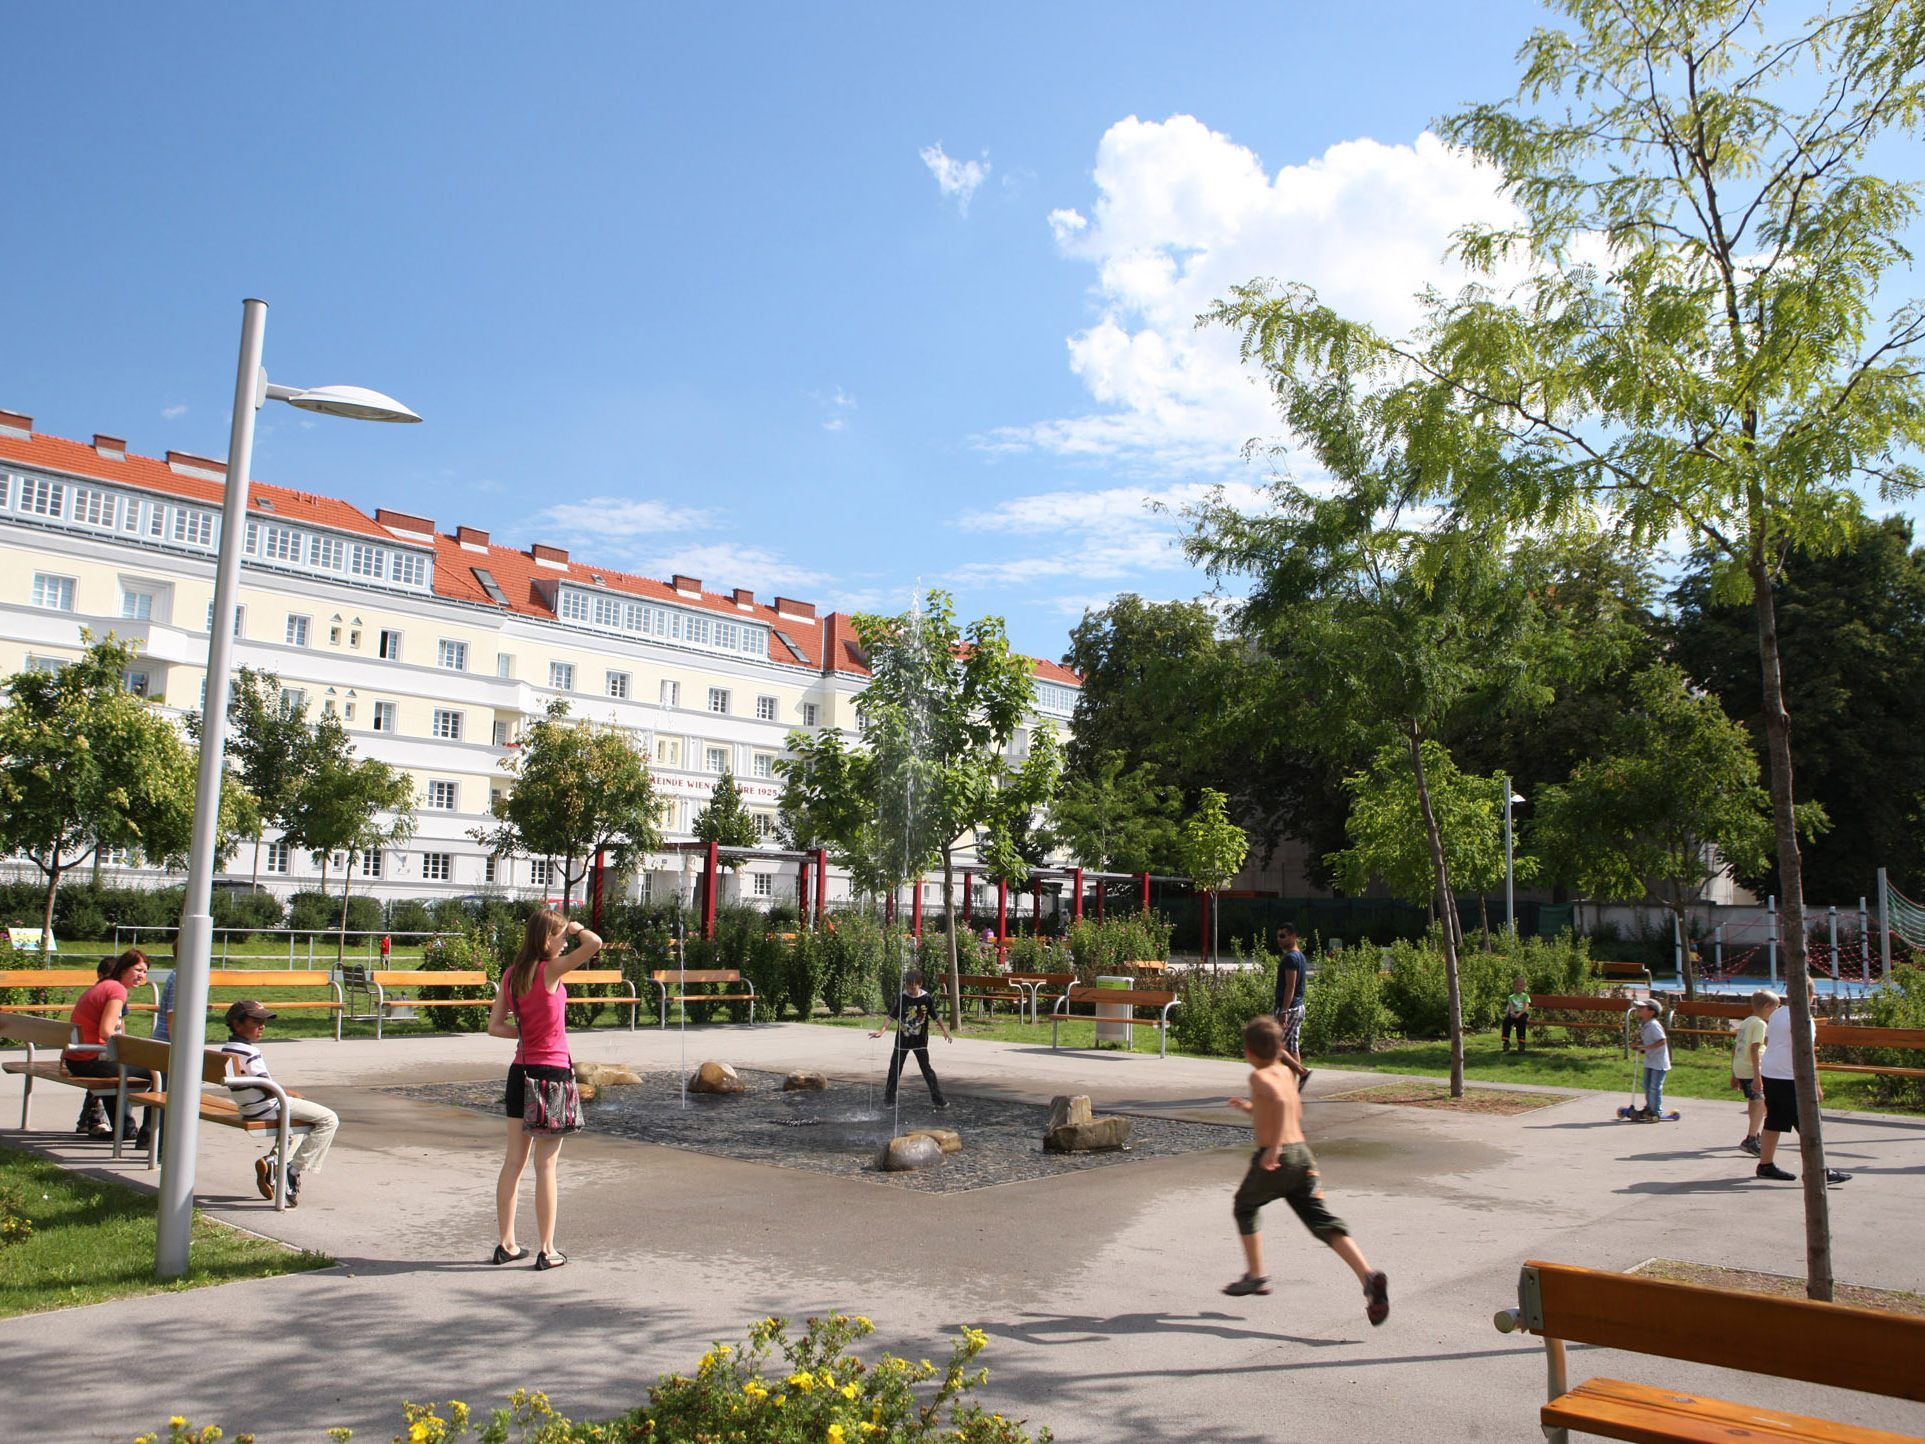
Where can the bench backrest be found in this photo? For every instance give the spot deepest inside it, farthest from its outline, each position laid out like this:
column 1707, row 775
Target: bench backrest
column 1853, row 1035
column 1048, row 980
column 429, row 978
column 216, row 1065
column 696, row 975
column 269, row 978
column 1622, row 970
column 1580, row 1003
column 48, row 978
column 41, row 1032
column 1704, row 1008
column 156, row 1057
column 1148, row 965
column 594, row 975
column 1135, row 997
column 1870, row 1350
column 983, row 980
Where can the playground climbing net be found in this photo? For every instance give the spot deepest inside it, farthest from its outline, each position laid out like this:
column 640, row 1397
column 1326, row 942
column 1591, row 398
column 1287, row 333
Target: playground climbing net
column 1905, row 918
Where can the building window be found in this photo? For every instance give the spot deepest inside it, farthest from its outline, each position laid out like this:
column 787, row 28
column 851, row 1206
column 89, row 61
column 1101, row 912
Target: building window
column 437, row 866
column 274, row 857
column 540, row 871
column 765, row 709
column 293, row 700
column 366, row 561
column 384, row 716
column 54, row 664
column 196, row 528
column 488, row 868
column 42, row 497
column 280, row 544
column 371, row 862
column 96, row 508
column 297, row 631
column 764, row 825
column 504, row 665
column 442, row 796
column 808, row 714
column 447, row 724
column 716, row 759
column 668, row 751
column 561, row 676
column 136, row 682
column 329, row 553
column 389, row 648
column 574, row 607
column 501, row 732
column 762, row 884
column 240, row 615
column 136, row 604
column 618, row 684
column 410, row 568
column 763, row 765
column 671, row 694
column 718, row 699
column 54, row 593
column 452, row 655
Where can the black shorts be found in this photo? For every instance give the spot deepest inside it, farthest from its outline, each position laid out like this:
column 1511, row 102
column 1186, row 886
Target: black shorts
column 1749, row 1088
column 516, row 1097
column 1781, row 1105
column 1294, row 1180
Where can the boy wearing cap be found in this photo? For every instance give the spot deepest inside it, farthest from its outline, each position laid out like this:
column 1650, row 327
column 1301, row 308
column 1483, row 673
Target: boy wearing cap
column 1656, row 1048
column 246, row 1021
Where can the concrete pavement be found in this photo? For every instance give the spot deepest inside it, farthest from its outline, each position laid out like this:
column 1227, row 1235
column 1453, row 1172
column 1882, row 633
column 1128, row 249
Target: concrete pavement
column 1098, row 1288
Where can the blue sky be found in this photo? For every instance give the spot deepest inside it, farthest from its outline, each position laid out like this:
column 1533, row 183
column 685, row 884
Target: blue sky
column 819, row 300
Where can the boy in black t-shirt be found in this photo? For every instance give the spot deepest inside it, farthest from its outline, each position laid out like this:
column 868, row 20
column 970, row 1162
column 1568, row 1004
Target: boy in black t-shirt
column 913, row 1012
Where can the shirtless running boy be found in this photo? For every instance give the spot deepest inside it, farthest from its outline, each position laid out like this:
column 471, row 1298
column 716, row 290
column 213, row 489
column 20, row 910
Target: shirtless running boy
column 1282, row 1168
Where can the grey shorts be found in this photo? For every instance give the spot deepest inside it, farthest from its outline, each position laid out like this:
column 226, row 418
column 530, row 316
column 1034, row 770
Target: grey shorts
column 1291, row 1021
column 1294, row 1180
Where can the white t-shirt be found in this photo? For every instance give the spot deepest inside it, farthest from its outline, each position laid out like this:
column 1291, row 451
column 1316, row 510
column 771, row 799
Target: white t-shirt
column 1658, row 1056
column 1776, row 1062
column 256, row 1104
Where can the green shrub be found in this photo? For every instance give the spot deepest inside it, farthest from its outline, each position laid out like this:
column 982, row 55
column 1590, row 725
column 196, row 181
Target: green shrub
column 15, row 1226
column 320, row 912
column 806, row 963
column 462, row 1009
column 854, row 947
column 1108, row 947
column 1902, row 1005
column 409, row 915
column 1213, row 1004
column 1344, row 1006
column 245, row 912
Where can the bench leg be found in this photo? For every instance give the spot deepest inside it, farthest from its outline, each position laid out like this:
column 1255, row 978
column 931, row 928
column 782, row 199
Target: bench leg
column 282, row 1153
column 1558, row 1383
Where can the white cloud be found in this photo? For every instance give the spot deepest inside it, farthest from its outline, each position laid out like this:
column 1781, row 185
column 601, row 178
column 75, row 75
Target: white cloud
column 837, row 401
column 957, row 178
column 1182, row 214
column 723, row 565
column 606, row 518
column 172, row 413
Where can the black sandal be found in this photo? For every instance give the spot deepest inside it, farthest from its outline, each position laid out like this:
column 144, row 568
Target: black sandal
column 550, row 1260
column 502, row 1255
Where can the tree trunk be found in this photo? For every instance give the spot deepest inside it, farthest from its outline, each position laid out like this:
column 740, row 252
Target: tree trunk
column 1791, row 882
column 1447, row 903
column 341, row 933
column 949, row 920
column 257, row 857
column 54, row 870
column 1687, row 970
column 1484, row 920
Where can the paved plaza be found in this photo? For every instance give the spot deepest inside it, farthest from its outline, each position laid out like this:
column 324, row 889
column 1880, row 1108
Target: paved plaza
column 1097, row 1285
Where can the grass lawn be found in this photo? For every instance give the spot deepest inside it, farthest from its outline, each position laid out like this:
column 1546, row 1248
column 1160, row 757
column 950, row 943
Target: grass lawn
column 94, row 1240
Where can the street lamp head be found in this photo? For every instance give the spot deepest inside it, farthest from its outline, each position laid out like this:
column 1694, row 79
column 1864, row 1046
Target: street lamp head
column 355, row 402
column 1516, row 797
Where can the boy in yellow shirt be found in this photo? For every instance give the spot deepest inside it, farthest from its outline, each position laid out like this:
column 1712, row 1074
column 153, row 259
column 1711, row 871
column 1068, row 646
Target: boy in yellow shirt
column 1747, row 1054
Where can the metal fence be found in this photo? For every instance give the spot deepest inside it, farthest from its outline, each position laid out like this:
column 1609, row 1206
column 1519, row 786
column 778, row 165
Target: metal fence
column 301, row 943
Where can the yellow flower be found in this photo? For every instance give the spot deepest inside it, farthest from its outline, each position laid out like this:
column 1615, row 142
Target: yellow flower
column 864, row 1322
column 755, row 1390
column 804, row 1382
column 177, row 1422
column 849, row 1391
column 975, row 1338
column 418, row 1432
column 725, row 1349
column 828, row 1379
column 835, row 1434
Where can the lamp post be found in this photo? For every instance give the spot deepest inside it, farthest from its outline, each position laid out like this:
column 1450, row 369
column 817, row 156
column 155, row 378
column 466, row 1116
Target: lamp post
column 194, row 944
column 1511, row 799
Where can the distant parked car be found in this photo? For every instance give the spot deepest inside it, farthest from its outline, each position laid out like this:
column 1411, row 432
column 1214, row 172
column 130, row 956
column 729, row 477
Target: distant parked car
column 240, row 885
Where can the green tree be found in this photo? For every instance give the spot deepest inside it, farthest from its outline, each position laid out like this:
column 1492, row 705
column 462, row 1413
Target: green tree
column 942, row 706
column 1213, row 849
column 828, row 801
column 272, row 746
column 1670, row 802
column 85, row 764
column 1389, row 840
column 576, row 790
column 724, row 819
column 1682, row 332
column 347, row 805
column 1851, row 629
column 1119, row 818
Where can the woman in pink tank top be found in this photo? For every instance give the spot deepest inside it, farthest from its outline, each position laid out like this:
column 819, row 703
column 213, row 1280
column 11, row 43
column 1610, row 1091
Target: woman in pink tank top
column 531, row 1006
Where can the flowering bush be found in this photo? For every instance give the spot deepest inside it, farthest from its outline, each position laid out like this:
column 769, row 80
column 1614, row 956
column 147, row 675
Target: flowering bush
column 771, row 1389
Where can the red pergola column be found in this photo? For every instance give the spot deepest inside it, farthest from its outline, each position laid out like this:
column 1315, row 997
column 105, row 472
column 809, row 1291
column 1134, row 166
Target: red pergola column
column 821, row 880
column 710, row 862
column 1002, row 918
column 915, row 907
column 889, row 907
column 1146, row 891
column 595, row 907
column 1076, row 908
column 969, row 893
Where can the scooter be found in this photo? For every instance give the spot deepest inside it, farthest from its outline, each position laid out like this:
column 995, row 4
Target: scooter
column 1635, row 1112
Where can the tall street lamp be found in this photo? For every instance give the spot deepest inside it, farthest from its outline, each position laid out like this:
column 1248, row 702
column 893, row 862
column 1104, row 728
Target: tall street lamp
column 1511, row 799
column 194, row 945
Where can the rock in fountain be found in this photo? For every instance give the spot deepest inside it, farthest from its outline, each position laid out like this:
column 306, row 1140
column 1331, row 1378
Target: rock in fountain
column 912, row 1150
column 947, row 1139
column 605, row 1075
column 804, row 1083
column 713, row 1077
column 1073, row 1128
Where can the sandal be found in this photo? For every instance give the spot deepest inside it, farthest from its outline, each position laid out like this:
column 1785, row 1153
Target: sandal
column 1247, row 1285
column 550, row 1260
column 502, row 1255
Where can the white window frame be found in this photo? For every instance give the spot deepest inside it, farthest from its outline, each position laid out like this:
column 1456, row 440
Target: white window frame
column 504, row 666
column 715, row 760
column 53, row 593
column 541, row 872
column 618, row 685
column 388, row 711
column 488, row 868
column 809, row 713
column 765, row 708
column 762, row 884
column 275, row 857
column 762, row 765
column 371, row 862
column 444, row 795
column 386, row 650
column 446, row 724
column 719, row 700
column 42, row 496
column 451, row 655
column 298, row 630
column 561, row 676
column 437, row 867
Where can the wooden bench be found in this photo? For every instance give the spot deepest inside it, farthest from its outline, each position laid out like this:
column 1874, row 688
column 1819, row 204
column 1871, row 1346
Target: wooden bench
column 78, row 979
column 1870, row 1350
column 1618, row 1011
column 604, row 977
column 1148, row 965
column 1721, row 1015
column 1635, row 973
column 664, row 978
column 218, row 1070
column 1855, row 1035
column 1134, row 998
column 1036, row 983
column 386, row 978
column 253, row 980
column 49, row 1034
column 991, row 988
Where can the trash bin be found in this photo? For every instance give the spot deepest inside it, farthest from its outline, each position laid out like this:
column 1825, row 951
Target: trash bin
column 1113, row 1019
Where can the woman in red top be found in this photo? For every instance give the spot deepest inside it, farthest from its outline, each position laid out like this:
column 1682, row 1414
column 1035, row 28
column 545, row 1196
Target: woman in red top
column 101, row 1013
column 531, row 1006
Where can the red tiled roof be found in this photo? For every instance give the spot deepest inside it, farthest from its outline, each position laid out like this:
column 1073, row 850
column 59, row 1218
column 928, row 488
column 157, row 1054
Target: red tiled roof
column 148, row 473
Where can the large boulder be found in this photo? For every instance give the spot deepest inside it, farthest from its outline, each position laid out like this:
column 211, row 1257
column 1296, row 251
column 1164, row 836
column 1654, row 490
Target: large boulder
column 804, row 1083
column 713, row 1077
column 947, row 1139
column 1064, row 1110
column 1095, row 1136
column 605, row 1075
column 912, row 1150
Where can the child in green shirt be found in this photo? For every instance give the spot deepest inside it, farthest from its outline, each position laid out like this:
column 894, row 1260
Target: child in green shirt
column 1517, row 1013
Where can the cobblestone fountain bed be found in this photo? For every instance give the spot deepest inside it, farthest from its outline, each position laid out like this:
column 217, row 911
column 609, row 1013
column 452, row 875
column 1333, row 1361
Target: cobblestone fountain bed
column 838, row 1131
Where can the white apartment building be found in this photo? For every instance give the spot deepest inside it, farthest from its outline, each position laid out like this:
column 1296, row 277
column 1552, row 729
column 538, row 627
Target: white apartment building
column 432, row 647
